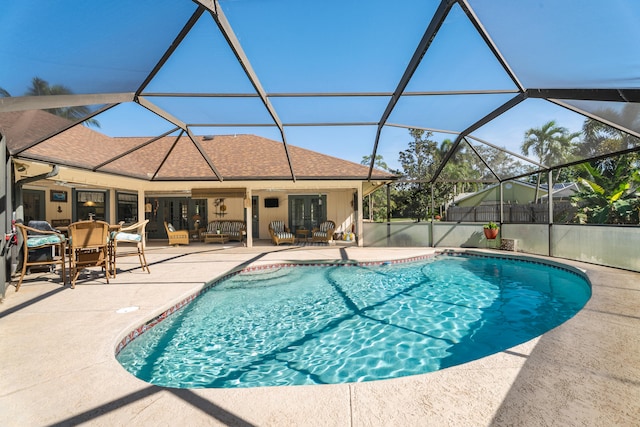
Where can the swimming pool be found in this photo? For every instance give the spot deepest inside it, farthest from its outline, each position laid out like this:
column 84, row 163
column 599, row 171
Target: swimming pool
column 328, row 323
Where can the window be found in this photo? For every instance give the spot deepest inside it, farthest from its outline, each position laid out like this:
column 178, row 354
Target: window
column 127, row 207
column 91, row 205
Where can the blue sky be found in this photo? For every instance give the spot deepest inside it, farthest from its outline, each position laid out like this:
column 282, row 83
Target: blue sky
column 340, row 46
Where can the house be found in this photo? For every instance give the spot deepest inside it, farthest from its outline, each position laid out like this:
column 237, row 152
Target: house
column 513, row 192
column 188, row 180
column 562, row 191
column 519, row 203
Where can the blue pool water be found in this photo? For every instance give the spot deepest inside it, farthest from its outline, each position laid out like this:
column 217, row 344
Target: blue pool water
column 338, row 324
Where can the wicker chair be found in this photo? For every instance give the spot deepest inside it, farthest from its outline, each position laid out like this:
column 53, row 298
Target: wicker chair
column 176, row 237
column 89, row 247
column 128, row 236
column 41, row 239
column 280, row 233
column 323, row 233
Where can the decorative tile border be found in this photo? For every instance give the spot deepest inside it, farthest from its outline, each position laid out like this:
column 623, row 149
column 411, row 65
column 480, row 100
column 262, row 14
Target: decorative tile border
column 162, row 316
column 547, row 263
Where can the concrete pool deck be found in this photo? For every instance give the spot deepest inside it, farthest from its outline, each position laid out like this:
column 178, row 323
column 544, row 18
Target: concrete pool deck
column 58, row 366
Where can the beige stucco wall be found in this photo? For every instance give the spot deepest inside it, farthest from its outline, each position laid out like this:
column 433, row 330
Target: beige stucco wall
column 339, row 207
column 52, row 207
column 339, row 195
column 235, row 209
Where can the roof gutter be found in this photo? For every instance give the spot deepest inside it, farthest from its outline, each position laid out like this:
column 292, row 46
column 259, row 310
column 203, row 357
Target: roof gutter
column 18, row 187
column 53, row 172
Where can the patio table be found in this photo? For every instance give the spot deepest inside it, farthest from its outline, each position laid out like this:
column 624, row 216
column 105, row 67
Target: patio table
column 219, row 238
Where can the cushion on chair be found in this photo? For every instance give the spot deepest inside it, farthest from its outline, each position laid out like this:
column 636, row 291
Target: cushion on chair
column 320, row 233
column 278, row 227
column 171, row 227
column 50, row 239
column 284, row 235
column 232, row 228
column 131, row 237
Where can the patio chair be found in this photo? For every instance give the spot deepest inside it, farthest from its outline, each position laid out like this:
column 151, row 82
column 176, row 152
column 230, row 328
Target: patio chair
column 40, row 242
column 324, row 232
column 88, row 247
column 126, row 237
column 280, row 233
column 176, row 237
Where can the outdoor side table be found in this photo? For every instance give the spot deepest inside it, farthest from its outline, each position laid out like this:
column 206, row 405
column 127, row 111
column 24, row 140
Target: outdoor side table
column 302, row 233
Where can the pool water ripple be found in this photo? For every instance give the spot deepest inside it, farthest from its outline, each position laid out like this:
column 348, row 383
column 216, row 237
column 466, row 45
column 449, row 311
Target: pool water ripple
column 336, row 324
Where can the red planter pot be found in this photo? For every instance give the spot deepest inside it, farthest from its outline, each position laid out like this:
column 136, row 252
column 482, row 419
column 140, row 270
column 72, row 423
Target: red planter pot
column 491, row 233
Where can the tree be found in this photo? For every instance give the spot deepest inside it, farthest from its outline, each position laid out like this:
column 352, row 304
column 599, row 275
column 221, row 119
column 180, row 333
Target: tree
column 551, row 144
column 502, row 163
column 611, row 195
column 463, row 170
column 376, row 208
column 460, row 174
column 4, row 93
column 40, row 87
column 419, row 163
column 601, row 139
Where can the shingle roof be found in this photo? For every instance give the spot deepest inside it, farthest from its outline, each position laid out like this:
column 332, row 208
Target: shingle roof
column 234, row 157
column 22, row 128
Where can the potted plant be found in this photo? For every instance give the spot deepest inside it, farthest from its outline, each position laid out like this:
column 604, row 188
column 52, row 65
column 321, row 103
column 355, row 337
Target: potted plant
column 491, row 230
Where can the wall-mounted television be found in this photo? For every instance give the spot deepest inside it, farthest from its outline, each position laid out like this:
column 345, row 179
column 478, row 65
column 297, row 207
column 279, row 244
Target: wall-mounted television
column 271, row 203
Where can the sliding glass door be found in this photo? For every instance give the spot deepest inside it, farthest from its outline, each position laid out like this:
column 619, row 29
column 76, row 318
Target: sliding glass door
column 182, row 212
column 307, row 211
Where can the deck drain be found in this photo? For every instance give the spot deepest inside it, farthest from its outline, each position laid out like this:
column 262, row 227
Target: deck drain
column 127, row 309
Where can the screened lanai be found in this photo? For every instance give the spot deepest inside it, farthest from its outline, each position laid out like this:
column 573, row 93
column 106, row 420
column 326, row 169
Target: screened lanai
column 352, row 79
column 344, row 78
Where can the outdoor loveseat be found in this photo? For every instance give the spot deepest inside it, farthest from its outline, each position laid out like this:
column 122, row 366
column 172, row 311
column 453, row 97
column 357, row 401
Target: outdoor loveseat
column 234, row 228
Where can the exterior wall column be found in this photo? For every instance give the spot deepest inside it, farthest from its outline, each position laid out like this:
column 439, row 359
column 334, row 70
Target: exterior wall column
column 360, row 216
column 5, row 217
column 141, row 203
column 141, row 213
column 248, row 215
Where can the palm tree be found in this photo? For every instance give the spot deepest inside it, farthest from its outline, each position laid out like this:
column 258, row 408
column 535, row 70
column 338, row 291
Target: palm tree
column 40, row 87
column 551, row 144
column 600, row 138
